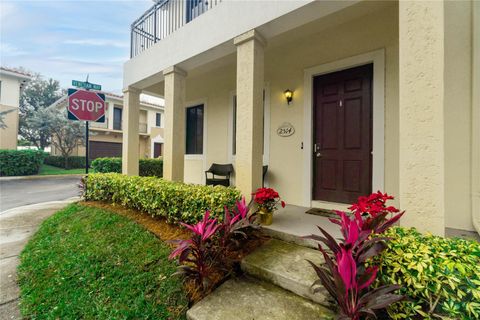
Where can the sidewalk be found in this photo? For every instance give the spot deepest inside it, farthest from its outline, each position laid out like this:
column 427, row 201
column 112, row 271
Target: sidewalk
column 35, row 177
column 17, row 225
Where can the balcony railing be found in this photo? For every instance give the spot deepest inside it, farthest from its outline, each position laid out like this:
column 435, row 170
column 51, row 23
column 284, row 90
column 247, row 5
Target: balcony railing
column 163, row 18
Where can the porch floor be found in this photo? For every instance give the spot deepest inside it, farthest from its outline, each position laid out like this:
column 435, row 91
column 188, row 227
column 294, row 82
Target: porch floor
column 292, row 223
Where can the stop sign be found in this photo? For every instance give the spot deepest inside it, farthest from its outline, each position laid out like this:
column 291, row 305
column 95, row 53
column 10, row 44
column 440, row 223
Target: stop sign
column 86, row 105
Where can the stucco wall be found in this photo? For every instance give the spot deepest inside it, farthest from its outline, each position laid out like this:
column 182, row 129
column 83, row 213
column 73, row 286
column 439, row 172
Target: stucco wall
column 284, row 68
column 9, row 100
column 458, row 95
column 285, row 62
column 214, row 91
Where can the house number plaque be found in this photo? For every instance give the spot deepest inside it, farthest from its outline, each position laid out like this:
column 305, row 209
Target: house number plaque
column 286, row 130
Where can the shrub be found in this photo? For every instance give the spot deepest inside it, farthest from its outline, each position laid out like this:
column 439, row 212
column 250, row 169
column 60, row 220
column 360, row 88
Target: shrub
column 207, row 250
column 106, row 165
column 72, row 162
column 440, row 276
column 20, row 162
column 173, row 200
column 151, row 167
column 147, row 167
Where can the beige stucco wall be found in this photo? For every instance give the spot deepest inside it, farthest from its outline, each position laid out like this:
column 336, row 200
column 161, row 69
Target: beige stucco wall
column 285, row 62
column 458, row 114
column 9, row 100
column 213, row 90
column 284, row 68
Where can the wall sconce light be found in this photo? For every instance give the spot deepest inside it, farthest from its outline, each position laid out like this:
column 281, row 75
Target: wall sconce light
column 288, row 95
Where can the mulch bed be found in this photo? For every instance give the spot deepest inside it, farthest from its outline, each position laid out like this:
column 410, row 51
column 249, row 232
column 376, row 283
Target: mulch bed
column 168, row 231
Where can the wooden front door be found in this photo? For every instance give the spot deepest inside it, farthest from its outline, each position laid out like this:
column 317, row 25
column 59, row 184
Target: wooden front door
column 342, row 157
column 157, row 149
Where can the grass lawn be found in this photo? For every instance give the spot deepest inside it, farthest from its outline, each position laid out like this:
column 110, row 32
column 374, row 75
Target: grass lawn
column 90, row 263
column 46, row 170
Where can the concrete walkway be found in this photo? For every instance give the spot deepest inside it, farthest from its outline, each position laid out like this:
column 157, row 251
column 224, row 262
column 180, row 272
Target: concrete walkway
column 16, row 227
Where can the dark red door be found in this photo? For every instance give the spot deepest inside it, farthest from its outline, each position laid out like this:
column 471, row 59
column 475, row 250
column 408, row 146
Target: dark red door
column 157, row 149
column 342, row 154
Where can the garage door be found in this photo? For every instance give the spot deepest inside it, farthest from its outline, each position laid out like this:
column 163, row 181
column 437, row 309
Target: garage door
column 100, row 149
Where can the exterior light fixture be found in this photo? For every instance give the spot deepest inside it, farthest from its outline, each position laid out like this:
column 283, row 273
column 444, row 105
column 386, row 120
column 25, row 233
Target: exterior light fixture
column 288, row 95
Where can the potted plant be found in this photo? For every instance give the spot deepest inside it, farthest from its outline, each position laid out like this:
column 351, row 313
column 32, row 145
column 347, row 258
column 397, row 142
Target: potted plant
column 266, row 200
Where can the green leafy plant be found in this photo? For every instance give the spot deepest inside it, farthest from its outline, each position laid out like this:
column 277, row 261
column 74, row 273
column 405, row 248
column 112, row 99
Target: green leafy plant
column 74, row 162
column 439, row 276
column 147, row 167
column 20, row 162
column 173, row 200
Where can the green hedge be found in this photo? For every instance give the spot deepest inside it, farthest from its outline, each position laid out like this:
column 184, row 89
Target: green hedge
column 20, row 162
column 173, row 200
column 439, row 276
column 147, row 167
column 73, row 162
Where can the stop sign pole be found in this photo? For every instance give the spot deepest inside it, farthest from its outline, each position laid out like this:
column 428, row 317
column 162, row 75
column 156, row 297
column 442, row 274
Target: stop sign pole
column 88, row 106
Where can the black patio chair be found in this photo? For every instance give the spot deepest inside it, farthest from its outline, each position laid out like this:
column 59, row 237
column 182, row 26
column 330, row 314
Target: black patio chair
column 220, row 174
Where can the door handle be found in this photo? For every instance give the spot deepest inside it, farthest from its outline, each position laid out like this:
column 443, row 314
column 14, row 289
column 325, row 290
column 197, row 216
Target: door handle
column 319, row 154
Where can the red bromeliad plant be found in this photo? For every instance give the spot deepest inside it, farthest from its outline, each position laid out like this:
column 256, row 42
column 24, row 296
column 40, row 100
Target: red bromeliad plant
column 195, row 254
column 210, row 241
column 344, row 274
column 235, row 224
column 267, row 198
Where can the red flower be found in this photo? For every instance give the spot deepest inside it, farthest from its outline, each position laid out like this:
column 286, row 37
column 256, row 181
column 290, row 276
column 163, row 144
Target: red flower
column 267, row 198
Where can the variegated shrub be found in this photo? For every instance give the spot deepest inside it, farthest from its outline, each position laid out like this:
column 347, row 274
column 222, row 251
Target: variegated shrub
column 175, row 201
column 439, row 276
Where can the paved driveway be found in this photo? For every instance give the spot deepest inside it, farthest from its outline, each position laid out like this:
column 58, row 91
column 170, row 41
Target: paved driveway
column 17, row 193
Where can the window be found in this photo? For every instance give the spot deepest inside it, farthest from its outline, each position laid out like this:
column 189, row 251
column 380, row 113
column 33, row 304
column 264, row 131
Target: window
column 194, row 130
column 117, row 118
column 158, row 119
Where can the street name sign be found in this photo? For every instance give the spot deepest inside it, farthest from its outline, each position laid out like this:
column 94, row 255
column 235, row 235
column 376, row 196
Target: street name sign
column 86, row 105
column 87, row 85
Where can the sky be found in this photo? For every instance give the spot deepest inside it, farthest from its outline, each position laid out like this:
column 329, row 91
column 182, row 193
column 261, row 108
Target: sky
column 68, row 39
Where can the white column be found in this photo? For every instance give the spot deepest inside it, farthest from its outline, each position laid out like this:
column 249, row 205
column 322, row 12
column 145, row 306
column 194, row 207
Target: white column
column 130, row 148
column 174, row 132
column 250, row 83
column 421, row 116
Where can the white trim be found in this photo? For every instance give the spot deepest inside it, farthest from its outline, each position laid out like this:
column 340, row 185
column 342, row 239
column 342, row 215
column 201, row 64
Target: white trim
column 230, row 155
column 378, row 162
column 203, row 157
column 266, row 128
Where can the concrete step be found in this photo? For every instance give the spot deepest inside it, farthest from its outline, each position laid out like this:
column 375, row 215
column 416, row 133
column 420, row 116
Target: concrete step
column 250, row 299
column 285, row 265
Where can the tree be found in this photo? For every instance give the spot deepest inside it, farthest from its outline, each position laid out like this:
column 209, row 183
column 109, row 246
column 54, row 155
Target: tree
column 36, row 97
column 66, row 134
